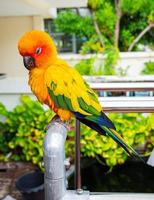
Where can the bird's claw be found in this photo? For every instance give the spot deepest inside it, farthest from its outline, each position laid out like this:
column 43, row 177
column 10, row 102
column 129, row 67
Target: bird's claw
column 56, row 119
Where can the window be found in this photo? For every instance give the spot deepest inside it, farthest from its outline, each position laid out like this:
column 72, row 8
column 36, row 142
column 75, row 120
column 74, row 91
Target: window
column 66, row 43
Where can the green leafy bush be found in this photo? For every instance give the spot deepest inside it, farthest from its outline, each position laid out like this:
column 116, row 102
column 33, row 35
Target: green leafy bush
column 136, row 129
column 71, row 23
column 22, row 131
column 148, row 68
column 96, row 66
column 92, row 46
column 86, row 67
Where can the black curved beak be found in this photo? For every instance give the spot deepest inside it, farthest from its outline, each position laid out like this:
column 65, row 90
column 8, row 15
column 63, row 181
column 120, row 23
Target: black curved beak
column 28, row 62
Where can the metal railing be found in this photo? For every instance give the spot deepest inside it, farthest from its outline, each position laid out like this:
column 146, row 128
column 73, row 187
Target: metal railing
column 144, row 104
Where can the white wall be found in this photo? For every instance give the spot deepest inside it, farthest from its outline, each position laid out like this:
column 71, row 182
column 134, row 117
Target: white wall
column 135, row 60
column 11, row 29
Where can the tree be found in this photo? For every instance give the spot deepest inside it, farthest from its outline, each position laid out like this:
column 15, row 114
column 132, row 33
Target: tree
column 118, row 23
column 149, row 26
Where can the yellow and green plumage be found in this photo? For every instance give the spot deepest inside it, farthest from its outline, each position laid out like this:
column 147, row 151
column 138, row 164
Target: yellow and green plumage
column 62, row 88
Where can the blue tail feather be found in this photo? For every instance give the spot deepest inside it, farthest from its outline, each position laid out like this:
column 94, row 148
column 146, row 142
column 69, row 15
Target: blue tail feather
column 95, row 122
column 103, row 125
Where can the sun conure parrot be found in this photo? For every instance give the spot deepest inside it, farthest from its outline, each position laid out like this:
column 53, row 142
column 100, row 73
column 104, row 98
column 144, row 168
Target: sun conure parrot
column 62, row 88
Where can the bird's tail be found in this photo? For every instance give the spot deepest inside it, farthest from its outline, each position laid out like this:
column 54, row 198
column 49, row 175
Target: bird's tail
column 103, row 125
column 117, row 138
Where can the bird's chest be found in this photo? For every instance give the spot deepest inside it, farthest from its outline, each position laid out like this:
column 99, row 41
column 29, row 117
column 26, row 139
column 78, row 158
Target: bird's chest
column 38, row 86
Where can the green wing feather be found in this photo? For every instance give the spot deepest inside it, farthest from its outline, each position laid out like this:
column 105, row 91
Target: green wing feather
column 61, row 101
column 73, row 94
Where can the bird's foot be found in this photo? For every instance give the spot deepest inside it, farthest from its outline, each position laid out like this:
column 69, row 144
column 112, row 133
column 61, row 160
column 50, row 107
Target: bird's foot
column 56, row 119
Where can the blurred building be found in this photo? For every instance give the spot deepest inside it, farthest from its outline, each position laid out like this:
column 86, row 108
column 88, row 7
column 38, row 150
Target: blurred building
column 19, row 16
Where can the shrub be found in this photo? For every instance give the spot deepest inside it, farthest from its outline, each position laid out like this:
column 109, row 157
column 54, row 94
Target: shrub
column 22, row 131
column 95, row 66
column 148, row 68
column 136, row 129
column 86, row 67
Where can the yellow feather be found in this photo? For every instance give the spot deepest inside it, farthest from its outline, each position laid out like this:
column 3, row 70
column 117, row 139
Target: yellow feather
column 61, row 73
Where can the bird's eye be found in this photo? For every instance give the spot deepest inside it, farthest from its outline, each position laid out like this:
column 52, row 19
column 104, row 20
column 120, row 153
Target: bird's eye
column 38, row 51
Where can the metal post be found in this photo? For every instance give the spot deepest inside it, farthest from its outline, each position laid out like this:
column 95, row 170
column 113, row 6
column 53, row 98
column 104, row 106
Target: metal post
column 55, row 181
column 77, row 157
column 74, row 44
column 54, row 156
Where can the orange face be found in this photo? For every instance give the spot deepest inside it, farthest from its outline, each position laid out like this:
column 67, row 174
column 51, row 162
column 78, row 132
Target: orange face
column 37, row 49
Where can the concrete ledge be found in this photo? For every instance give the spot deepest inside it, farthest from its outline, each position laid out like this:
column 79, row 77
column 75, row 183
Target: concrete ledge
column 122, row 196
column 132, row 62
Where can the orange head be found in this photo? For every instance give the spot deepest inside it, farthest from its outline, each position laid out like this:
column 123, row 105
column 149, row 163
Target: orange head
column 37, row 49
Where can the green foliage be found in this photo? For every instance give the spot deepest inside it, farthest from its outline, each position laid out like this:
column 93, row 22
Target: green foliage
column 95, row 4
column 64, row 20
column 86, row 67
column 148, row 68
column 112, row 55
column 135, row 128
column 106, row 19
column 135, row 16
column 151, row 18
column 22, row 131
column 126, row 38
column 129, row 6
column 96, row 66
column 92, row 45
column 71, row 23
